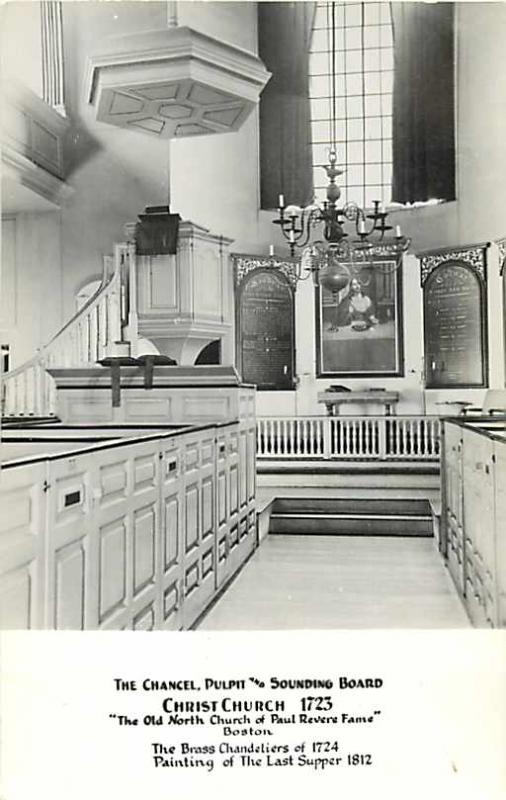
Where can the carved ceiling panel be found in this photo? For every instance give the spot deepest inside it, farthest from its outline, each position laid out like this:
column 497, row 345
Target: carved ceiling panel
column 174, row 83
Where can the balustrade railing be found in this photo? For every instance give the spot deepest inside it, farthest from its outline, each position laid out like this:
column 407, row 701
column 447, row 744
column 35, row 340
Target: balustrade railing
column 88, row 337
column 403, row 438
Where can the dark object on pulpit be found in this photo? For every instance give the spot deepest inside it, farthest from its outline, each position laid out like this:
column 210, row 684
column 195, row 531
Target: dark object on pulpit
column 156, row 232
column 338, row 388
column 149, row 362
column 115, row 363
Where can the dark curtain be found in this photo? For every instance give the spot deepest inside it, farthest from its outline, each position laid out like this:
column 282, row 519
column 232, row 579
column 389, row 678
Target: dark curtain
column 284, row 34
column 423, row 102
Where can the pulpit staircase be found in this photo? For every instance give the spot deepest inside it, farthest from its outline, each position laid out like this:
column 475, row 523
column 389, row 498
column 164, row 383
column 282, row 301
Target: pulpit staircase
column 105, row 326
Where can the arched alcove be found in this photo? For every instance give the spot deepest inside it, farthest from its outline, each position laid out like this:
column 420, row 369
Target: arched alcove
column 210, row 354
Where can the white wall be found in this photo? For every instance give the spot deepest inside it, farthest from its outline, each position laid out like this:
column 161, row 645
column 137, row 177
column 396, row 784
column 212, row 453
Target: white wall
column 115, row 173
column 31, row 306
column 21, row 21
column 214, row 179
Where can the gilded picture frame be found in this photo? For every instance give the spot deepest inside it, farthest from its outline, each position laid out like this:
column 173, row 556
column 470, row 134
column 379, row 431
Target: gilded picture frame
column 359, row 329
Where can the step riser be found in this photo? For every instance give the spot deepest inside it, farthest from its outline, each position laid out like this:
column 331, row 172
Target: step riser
column 343, row 506
column 350, row 480
column 352, row 516
column 351, row 527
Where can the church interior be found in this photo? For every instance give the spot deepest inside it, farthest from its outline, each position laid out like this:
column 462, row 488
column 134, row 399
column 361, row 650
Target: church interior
column 252, row 315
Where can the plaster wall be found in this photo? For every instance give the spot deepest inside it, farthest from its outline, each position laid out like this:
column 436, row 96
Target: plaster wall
column 31, row 300
column 21, row 19
column 214, row 179
column 115, row 173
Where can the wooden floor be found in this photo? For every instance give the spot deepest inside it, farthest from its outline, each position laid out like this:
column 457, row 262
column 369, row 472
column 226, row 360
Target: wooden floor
column 297, row 582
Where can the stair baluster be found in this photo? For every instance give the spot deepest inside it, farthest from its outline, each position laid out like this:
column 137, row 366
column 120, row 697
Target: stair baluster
column 28, row 390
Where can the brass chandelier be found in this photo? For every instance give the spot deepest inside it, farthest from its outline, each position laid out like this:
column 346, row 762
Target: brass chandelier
column 371, row 236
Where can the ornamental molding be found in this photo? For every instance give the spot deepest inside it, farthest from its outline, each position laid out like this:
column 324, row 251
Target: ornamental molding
column 474, row 257
column 386, row 251
column 23, row 171
column 501, row 245
column 243, row 265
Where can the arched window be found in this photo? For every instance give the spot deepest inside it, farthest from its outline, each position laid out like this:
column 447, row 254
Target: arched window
column 364, row 82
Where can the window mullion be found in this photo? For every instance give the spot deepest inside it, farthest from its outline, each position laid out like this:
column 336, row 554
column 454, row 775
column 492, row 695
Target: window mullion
column 364, row 108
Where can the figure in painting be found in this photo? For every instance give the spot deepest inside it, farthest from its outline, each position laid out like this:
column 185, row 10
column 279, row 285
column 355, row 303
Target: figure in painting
column 355, row 309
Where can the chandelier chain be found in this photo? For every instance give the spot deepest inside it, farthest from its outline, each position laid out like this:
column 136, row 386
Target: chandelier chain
column 297, row 224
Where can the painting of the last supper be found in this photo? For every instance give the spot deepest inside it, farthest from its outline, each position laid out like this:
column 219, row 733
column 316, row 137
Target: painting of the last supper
column 358, row 327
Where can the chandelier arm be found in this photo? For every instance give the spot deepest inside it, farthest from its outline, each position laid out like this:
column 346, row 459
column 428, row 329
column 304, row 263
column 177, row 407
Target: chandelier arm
column 307, row 234
column 298, row 231
column 315, row 217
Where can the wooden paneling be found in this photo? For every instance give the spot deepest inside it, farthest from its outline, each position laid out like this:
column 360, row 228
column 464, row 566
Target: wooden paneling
column 200, row 579
column 171, row 500
column 136, row 536
column 68, row 501
column 144, row 535
column 191, row 537
column 251, row 463
column 171, row 531
column 16, row 598
column 33, row 130
column 112, row 568
column 84, row 395
column 145, row 621
column 500, row 538
column 234, row 489
column 474, row 509
column 157, row 286
column 188, row 289
column 208, row 299
column 478, row 499
column 70, row 580
column 452, row 505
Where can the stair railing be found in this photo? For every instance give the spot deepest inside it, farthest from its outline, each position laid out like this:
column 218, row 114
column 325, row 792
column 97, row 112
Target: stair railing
column 88, row 336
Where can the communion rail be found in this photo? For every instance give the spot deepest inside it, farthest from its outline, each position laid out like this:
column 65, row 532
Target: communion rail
column 88, row 337
column 381, row 438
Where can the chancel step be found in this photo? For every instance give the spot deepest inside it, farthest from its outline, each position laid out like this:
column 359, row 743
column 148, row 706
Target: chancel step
column 345, row 516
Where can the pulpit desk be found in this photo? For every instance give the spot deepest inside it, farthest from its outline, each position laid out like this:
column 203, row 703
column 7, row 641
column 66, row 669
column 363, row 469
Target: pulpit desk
column 333, row 400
